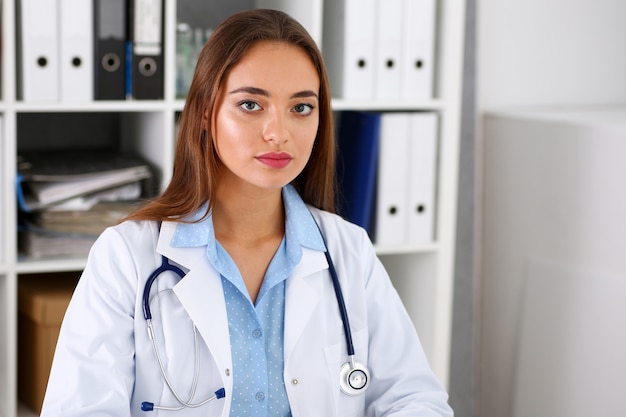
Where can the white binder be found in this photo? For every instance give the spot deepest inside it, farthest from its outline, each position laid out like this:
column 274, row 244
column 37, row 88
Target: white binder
column 308, row 13
column 38, row 72
column 348, row 47
column 422, row 154
column 388, row 49
column 391, row 199
column 418, row 50
column 76, row 50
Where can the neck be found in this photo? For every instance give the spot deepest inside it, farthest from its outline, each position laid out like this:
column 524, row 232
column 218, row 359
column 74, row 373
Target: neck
column 248, row 216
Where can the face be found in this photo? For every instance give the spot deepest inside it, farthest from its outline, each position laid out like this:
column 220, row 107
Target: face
column 266, row 117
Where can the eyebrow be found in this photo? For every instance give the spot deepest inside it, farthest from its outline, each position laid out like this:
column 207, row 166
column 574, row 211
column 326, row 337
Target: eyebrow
column 265, row 93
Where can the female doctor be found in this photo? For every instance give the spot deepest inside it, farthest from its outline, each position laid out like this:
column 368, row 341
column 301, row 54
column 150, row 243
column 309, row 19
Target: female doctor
column 237, row 292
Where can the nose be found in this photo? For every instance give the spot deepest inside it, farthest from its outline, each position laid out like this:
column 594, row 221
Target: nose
column 275, row 129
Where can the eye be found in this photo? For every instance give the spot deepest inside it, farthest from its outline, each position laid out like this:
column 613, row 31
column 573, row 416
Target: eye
column 303, row 109
column 249, row 106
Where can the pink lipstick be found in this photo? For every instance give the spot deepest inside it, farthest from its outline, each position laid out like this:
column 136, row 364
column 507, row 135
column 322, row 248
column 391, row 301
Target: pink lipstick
column 275, row 159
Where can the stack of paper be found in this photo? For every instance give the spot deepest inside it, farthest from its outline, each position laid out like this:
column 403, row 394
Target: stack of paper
column 71, row 232
column 49, row 178
column 67, row 198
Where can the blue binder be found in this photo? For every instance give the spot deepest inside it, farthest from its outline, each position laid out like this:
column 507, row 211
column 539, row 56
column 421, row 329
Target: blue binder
column 358, row 140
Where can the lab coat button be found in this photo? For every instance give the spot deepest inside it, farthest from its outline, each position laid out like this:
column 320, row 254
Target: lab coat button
column 294, row 381
column 227, row 372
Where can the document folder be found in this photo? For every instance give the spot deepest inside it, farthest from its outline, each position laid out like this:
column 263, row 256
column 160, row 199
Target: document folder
column 308, row 13
column 147, row 49
column 348, row 46
column 357, row 156
column 76, row 50
column 388, row 49
column 110, row 49
column 391, row 200
column 49, row 178
column 38, row 52
column 418, row 56
column 422, row 153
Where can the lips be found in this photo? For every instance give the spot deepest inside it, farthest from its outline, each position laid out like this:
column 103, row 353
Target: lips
column 275, row 159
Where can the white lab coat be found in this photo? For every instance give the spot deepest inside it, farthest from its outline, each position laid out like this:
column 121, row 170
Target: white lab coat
column 104, row 363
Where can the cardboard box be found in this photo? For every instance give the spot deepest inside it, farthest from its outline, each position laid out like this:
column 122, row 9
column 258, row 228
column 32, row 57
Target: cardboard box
column 42, row 301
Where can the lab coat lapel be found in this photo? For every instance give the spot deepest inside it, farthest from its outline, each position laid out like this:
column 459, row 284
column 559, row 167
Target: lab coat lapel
column 302, row 296
column 201, row 294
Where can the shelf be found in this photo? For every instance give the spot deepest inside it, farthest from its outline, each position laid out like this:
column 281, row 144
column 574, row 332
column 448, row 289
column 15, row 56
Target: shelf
column 29, row 265
column 92, row 106
column 339, row 104
column 422, row 273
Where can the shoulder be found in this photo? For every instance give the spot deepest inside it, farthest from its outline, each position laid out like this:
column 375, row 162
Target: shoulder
column 342, row 237
column 124, row 253
column 136, row 228
column 331, row 221
column 130, row 236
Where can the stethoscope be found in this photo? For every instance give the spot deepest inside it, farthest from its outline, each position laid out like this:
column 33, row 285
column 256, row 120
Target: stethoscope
column 354, row 377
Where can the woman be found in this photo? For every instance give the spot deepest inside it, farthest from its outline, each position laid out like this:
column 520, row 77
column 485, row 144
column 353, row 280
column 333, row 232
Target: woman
column 254, row 327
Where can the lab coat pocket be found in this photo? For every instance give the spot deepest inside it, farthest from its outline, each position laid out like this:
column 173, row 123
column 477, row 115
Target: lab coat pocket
column 336, row 356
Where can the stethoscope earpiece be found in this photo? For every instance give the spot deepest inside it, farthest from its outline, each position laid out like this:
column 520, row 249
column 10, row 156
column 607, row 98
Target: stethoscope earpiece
column 353, row 378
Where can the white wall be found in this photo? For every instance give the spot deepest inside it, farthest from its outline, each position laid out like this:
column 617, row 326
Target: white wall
column 534, row 53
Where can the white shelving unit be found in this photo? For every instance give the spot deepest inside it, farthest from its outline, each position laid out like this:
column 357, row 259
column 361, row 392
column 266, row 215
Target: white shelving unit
column 422, row 274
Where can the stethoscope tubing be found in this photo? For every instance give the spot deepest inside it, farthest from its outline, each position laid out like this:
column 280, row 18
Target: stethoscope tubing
column 351, row 368
column 343, row 312
column 165, row 266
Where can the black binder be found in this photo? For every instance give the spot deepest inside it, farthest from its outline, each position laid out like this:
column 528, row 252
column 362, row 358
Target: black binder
column 110, row 45
column 146, row 33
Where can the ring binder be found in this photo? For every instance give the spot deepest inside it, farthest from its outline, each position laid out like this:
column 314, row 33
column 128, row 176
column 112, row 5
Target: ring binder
column 110, row 49
column 38, row 51
column 147, row 49
column 76, row 48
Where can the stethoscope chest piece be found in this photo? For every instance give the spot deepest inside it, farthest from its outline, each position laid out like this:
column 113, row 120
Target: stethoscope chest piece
column 353, row 378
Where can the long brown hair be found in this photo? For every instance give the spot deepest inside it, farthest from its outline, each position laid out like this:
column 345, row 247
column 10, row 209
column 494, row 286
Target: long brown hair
column 194, row 178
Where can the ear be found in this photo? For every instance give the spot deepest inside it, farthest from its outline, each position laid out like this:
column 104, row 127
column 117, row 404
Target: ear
column 205, row 119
